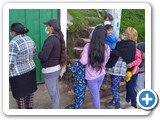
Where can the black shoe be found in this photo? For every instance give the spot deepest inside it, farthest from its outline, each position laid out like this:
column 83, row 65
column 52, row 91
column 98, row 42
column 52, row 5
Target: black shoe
column 111, row 104
column 70, row 107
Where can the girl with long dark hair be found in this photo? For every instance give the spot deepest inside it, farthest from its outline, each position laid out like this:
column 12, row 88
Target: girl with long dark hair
column 95, row 55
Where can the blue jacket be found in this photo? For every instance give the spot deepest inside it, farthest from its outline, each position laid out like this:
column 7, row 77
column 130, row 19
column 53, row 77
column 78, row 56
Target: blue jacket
column 111, row 40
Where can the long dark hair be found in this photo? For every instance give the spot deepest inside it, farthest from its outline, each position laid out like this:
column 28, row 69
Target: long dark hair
column 97, row 48
column 63, row 49
column 57, row 30
column 19, row 28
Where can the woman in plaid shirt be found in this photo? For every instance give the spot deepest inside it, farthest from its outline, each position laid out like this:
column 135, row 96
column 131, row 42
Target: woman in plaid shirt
column 22, row 73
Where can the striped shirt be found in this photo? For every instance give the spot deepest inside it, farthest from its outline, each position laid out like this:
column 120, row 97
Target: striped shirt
column 22, row 50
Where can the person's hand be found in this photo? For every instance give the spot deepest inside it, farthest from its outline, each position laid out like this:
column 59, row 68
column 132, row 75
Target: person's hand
column 69, row 65
column 129, row 65
column 119, row 40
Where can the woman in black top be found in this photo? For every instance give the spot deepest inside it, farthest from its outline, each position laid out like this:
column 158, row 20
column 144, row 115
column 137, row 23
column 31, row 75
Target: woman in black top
column 53, row 58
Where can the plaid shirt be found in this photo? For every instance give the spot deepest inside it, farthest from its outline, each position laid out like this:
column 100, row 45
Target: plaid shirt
column 22, row 49
column 119, row 69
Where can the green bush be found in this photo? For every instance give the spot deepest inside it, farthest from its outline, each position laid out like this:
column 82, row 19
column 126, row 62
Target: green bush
column 79, row 21
column 89, row 17
column 134, row 18
column 84, row 18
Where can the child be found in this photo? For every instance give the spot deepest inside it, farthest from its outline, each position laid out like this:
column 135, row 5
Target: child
column 80, row 83
column 95, row 56
column 111, row 40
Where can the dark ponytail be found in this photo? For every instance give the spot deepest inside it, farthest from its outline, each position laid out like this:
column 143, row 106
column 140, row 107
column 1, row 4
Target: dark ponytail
column 19, row 28
column 63, row 50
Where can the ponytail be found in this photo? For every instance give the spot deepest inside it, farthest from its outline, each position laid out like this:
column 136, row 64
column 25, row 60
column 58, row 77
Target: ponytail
column 19, row 28
column 63, row 50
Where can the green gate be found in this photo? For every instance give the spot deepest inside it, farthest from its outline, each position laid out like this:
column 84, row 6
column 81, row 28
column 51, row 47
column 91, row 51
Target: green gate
column 33, row 20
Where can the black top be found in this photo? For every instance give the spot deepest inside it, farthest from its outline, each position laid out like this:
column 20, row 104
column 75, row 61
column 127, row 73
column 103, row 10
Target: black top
column 50, row 54
column 126, row 49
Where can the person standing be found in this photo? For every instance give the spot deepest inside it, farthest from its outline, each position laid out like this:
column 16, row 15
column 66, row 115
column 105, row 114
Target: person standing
column 95, row 56
column 123, row 54
column 108, row 18
column 141, row 75
column 22, row 72
column 53, row 58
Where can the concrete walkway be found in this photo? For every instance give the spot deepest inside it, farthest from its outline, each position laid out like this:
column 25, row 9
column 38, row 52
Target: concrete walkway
column 42, row 100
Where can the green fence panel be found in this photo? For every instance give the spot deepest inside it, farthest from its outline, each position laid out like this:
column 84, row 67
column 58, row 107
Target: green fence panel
column 33, row 20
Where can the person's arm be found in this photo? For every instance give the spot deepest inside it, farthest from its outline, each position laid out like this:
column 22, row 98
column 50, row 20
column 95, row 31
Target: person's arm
column 46, row 50
column 84, row 58
column 137, row 61
column 114, row 53
column 107, row 54
column 112, row 38
column 13, row 51
column 73, row 69
column 34, row 51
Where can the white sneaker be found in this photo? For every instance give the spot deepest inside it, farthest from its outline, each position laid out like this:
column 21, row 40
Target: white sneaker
column 126, row 104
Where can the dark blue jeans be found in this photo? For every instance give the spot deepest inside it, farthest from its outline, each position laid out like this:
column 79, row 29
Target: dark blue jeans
column 131, row 93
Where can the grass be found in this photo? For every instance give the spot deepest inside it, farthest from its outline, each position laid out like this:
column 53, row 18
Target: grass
column 89, row 17
column 84, row 18
column 134, row 18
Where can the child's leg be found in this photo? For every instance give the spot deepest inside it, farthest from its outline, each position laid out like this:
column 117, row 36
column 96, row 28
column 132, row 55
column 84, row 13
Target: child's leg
column 83, row 91
column 79, row 92
column 76, row 93
column 115, row 90
column 94, row 87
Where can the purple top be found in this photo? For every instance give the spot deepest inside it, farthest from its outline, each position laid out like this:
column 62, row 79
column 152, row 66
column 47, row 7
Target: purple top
column 90, row 72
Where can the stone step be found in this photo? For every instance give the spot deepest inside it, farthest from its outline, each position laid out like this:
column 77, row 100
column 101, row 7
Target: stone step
column 86, row 32
column 82, row 41
column 77, row 52
column 78, row 48
column 86, row 40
